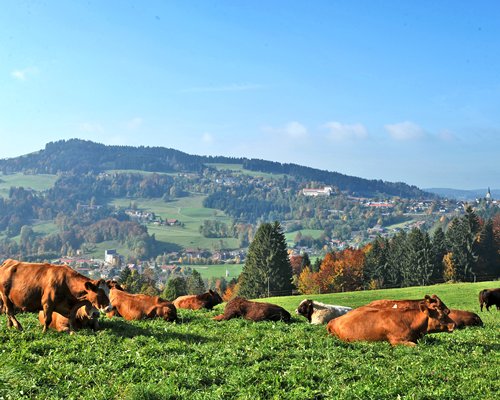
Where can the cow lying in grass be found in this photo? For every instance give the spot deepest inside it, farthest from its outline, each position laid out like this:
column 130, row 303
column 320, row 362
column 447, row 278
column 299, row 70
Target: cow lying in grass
column 254, row 311
column 206, row 300
column 87, row 316
column 138, row 306
column 395, row 325
column 460, row 317
column 318, row 313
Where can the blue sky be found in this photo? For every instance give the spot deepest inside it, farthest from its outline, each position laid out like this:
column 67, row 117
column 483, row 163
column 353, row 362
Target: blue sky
column 393, row 90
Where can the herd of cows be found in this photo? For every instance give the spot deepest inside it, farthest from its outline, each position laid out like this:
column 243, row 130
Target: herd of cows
column 68, row 301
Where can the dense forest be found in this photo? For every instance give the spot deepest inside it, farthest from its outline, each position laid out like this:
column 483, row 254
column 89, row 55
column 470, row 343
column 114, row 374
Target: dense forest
column 79, row 156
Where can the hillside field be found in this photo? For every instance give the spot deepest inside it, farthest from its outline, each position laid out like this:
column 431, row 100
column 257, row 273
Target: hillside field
column 199, row 358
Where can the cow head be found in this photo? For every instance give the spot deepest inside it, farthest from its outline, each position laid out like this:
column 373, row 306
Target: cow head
column 88, row 311
column 437, row 312
column 111, row 284
column 214, row 297
column 305, row 309
column 97, row 293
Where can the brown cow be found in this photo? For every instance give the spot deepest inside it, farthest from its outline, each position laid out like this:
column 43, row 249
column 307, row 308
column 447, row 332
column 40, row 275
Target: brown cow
column 254, row 311
column 87, row 316
column 206, row 300
column 489, row 297
column 460, row 317
column 395, row 325
column 138, row 306
column 36, row 286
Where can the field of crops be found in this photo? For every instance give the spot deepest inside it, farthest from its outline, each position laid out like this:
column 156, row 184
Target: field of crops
column 201, row 359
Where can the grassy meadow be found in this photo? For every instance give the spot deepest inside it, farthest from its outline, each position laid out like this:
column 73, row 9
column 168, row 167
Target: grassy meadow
column 199, row 358
column 189, row 211
column 36, row 182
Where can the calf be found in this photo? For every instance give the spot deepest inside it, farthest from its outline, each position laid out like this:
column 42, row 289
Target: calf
column 464, row 318
column 52, row 288
column 395, row 325
column 139, row 306
column 320, row 313
column 206, row 300
column 87, row 316
column 254, row 311
column 489, row 297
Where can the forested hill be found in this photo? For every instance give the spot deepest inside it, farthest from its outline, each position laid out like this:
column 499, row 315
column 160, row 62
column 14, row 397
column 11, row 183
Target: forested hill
column 80, row 156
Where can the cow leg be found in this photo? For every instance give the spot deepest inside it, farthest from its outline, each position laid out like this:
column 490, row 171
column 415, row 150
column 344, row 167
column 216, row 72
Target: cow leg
column 8, row 308
column 48, row 309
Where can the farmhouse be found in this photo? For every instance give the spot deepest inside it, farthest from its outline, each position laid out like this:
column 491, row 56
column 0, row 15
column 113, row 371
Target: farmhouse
column 326, row 191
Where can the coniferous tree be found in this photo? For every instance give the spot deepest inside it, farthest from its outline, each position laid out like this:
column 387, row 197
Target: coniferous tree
column 375, row 264
column 438, row 252
column 488, row 255
column 194, row 283
column 420, row 258
column 175, row 287
column 267, row 270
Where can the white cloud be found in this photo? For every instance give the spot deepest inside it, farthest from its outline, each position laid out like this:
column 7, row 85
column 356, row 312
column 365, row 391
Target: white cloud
column 24, row 74
column 234, row 87
column 405, row 131
column 341, row 132
column 292, row 130
column 207, row 138
column 134, row 123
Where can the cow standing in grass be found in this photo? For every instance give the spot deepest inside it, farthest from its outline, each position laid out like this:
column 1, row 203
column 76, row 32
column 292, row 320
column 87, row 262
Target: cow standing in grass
column 489, row 298
column 51, row 288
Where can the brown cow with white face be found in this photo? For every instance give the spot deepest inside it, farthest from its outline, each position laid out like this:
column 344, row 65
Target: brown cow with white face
column 395, row 325
column 138, row 306
column 87, row 316
column 206, row 300
column 36, row 286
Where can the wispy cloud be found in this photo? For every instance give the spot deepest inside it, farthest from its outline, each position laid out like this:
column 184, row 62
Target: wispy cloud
column 234, row 87
column 405, row 131
column 338, row 131
column 447, row 136
column 207, row 138
column 24, row 74
column 134, row 123
column 291, row 130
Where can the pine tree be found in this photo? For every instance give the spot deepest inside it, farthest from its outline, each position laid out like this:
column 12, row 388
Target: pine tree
column 267, row 270
column 175, row 287
column 194, row 283
column 438, row 252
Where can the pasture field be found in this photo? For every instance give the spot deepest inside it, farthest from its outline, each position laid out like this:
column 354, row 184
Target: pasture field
column 188, row 210
column 35, row 182
column 218, row 270
column 239, row 169
column 199, row 358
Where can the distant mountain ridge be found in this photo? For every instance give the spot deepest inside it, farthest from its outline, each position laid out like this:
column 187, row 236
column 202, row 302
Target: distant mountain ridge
column 464, row 195
column 82, row 156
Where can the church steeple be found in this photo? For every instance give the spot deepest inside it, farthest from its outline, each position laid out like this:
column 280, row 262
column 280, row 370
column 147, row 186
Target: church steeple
column 488, row 195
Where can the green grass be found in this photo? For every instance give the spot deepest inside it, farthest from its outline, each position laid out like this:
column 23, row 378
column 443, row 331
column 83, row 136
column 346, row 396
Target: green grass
column 189, row 211
column 314, row 233
column 35, row 182
column 238, row 168
column 199, row 358
column 218, row 270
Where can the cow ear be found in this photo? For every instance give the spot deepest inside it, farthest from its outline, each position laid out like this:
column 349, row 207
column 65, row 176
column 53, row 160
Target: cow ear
column 90, row 286
column 210, row 291
column 423, row 307
column 427, row 297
